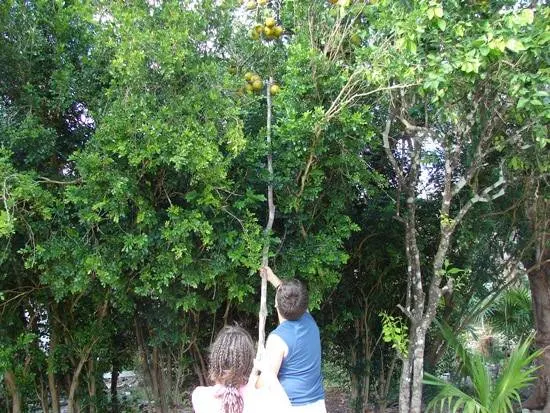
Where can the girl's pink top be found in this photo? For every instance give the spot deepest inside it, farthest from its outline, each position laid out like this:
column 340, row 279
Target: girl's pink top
column 207, row 400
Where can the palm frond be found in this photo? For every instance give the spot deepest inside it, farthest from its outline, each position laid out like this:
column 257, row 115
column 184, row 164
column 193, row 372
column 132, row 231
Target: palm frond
column 487, row 397
column 481, row 379
column 515, row 375
column 451, row 397
column 511, row 313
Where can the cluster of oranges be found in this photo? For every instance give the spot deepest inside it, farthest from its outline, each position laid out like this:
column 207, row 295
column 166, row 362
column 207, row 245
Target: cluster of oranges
column 254, row 83
column 344, row 3
column 269, row 30
column 252, row 4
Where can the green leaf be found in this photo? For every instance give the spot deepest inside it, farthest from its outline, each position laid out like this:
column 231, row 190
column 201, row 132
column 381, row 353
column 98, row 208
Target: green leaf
column 515, row 45
column 525, row 17
column 522, row 102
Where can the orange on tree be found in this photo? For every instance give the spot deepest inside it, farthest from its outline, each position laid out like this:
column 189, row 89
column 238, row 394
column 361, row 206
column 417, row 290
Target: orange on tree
column 269, row 22
column 277, row 31
column 257, row 84
column 268, row 32
column 259, row 28
column 274, row 89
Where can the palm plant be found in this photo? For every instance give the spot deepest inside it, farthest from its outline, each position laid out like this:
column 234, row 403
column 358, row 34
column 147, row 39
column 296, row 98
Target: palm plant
column 488, row 395
column 512, row 312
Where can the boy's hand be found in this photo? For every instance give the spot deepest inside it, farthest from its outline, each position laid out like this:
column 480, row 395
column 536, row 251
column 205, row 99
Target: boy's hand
column 271, row 277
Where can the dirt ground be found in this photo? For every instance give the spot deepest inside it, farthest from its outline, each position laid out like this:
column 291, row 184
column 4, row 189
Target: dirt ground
column 337, row 401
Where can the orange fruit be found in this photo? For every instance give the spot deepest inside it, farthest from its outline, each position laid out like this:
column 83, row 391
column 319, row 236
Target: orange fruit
column 257, row 84
column 270, row 22
column 274, row 89
column 277, row 31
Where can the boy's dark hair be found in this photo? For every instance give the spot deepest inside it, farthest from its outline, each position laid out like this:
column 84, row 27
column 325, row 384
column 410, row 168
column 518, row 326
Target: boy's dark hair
column 292, row 299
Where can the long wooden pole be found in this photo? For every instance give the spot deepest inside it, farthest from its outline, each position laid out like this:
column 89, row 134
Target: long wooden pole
column 268, row 226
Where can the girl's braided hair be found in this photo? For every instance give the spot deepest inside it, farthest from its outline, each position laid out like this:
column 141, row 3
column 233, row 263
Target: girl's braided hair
column 231, row 361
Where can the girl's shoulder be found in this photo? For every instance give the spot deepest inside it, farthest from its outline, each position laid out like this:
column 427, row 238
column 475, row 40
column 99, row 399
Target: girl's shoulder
column 202, row 391
column 204, row 399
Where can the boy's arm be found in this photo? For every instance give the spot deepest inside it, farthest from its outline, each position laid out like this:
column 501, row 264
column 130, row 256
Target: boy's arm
column 271, row 277
column 275, row 351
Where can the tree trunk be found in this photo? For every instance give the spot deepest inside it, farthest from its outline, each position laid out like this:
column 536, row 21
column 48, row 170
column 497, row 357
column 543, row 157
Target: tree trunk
column 147, row 362
column 405, row 386
column 42, row 391
column 168, row 386
column 160, row 394
column 418, row 370
column 91, row 385
column 53, row 388
column 385, row 383
column 71, row 399
column 114, row 385
column 539, row 281
column 11, row 384
column 361, row 352
column 359, row 381
column 52, row 385
column 199, row 365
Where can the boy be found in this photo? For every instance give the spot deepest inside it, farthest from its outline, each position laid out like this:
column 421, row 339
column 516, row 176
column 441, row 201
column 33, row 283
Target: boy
column 293, row 349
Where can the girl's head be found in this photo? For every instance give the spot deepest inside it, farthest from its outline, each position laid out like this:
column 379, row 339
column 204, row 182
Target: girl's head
column 231, row 361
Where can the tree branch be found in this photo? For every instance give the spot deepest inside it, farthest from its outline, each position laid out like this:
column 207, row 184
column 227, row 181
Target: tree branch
column 485, row 196
column 46, row 180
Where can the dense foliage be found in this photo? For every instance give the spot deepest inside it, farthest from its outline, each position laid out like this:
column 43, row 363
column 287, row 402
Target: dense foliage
column 410, row 149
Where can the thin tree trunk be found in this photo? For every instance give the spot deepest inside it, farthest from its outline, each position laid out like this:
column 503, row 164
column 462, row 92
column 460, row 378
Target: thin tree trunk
column 148, row 370
column 418, row 370
column 72, row 407
column 199, row 365
column 54, row 395
column 11, row 384
column 539, row 281
column 114, row 385
column 405, row 386
column 354, row 380
column 163, row 392
column 52, row 385
column 169, row 384
column 160, row 393
column 91, row 385
column 42, row 392
column 385, row 384
column 362, row 353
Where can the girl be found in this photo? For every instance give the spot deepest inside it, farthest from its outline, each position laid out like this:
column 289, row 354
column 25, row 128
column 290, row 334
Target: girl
column 234, row 373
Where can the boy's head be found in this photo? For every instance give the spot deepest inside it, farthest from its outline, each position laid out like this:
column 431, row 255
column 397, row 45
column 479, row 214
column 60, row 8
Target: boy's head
column 291, row 299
